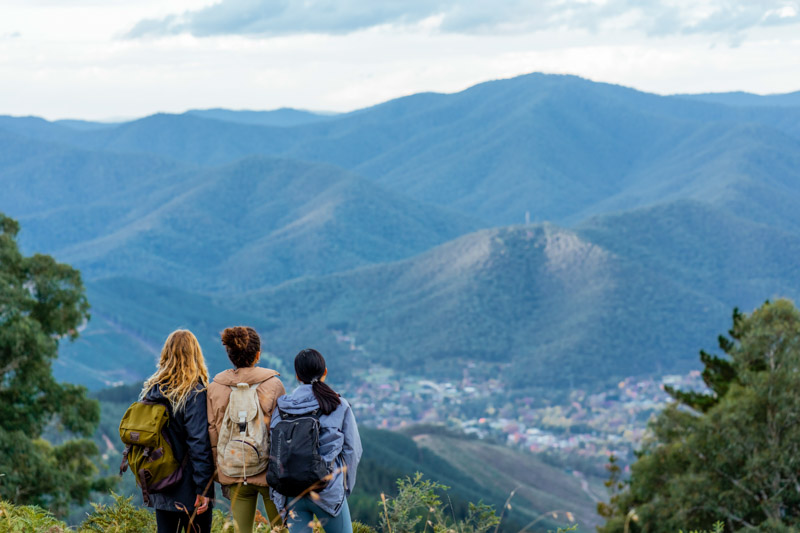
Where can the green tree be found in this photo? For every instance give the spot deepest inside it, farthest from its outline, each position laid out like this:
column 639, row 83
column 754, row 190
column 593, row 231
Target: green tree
column 732, row 453
column 41, row 301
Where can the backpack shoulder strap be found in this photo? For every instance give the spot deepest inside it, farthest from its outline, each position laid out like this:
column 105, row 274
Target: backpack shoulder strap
column 316, row 413
column 265, row 379
column 158, row 401
column 254, row 385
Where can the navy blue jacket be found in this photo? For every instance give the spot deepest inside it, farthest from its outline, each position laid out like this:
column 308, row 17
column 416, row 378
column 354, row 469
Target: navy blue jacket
column 188, row 434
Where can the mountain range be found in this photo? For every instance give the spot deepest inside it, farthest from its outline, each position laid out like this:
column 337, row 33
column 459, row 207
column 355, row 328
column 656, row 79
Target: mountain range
column 560, row 232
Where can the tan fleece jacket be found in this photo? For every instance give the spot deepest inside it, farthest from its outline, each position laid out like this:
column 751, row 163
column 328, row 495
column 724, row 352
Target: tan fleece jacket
column 219, row 392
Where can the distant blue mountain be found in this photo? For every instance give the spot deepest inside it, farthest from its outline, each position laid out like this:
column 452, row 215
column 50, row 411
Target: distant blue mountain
column 86, row 125
column 650, row 218
column 559, row 147
column 743, row 99
column 283, row 117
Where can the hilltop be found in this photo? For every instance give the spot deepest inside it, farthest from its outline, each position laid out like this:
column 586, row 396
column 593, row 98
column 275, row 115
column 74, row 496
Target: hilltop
column 539, row 300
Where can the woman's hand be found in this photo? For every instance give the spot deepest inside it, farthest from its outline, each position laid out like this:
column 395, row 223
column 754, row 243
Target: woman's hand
column 201, row 503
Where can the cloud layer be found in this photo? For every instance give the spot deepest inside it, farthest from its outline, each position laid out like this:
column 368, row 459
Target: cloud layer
column 336, row 17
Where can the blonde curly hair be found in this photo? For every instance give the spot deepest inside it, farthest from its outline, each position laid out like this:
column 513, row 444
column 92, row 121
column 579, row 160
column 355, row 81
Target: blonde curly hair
column 180, row 368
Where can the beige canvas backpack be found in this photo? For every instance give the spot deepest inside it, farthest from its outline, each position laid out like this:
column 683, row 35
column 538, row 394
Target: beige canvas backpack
column 243, row 445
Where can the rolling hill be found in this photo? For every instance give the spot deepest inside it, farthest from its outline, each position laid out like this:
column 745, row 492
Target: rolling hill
column 552, row 309
column 743, row 99
column 283, row 117
column 130, row 321
column 546, row 307
column 737, row 261
column 262, row 221
column 541, row 488
column 645, row 289
column 559, row 147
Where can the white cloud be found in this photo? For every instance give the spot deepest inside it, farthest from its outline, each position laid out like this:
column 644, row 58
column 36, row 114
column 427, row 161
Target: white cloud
column 68, row 63
column 335, row 17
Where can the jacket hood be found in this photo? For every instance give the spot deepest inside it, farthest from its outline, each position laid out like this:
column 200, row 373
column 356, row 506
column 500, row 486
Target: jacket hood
column 250, row 375
column 301, row 400
column 154, row 394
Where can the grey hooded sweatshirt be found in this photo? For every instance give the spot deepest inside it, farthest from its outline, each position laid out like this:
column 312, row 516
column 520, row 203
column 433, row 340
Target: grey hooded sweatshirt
column 340, row 445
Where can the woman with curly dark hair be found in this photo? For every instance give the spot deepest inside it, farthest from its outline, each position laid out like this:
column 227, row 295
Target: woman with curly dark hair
column 239, row 441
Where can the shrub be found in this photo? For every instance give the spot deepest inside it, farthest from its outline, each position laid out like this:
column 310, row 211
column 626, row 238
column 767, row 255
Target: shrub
column 121, row 517
column 718, row 527
column 417, row 506
column 223, row 523
column 358, row 527
column 28, row 519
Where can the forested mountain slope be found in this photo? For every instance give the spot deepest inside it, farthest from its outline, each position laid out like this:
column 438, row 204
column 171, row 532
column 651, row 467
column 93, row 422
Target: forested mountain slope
column 650, row 217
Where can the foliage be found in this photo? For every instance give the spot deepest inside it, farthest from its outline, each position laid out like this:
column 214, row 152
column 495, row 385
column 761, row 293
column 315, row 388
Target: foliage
column 223, row 523
column 28, row 519
column 120, row 517
column 41, row 301
column 359, row 527
column 730, row 454
column 719, row 527
column 417, row 506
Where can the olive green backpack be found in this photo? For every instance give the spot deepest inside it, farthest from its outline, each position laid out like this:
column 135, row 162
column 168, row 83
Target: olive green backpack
column 148, row 452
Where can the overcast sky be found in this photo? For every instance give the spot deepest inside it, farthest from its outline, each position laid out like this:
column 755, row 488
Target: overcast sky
column 106, row 59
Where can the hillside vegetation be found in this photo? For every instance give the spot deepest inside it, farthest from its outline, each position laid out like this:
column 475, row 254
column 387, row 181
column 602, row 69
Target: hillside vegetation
column 535, row 299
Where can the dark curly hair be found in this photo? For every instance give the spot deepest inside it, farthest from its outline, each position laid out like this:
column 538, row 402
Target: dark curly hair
column 242, row 344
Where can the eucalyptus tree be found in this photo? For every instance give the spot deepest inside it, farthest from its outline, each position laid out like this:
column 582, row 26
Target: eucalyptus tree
column 41, row 302
column 730, row 453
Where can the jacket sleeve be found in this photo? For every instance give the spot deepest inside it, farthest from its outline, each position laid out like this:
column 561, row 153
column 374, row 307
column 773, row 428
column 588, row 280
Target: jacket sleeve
column 213, row 419
column 276, row 417
column 268, row 394
column 351, row 449
column 198, row 441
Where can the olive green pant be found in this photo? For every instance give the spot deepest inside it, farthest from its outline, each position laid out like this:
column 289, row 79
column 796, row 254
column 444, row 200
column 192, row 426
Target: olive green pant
column 244, row 501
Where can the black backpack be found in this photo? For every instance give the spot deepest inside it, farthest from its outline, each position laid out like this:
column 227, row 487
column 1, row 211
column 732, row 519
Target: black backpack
column 295, row 465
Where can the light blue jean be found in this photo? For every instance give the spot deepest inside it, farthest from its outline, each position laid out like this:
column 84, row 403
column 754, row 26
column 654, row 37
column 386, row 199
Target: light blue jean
column 304, row 511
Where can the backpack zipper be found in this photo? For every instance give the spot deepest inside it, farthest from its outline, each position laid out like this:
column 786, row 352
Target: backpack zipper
column 245, row 442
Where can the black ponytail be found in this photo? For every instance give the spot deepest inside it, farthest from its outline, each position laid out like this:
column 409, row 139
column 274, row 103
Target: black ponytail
column 309, row 365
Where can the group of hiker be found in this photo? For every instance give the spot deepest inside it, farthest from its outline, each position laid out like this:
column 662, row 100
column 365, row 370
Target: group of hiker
column 298, row 451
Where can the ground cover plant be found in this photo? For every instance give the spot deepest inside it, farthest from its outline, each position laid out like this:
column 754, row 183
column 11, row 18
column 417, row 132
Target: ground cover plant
column 419, row 506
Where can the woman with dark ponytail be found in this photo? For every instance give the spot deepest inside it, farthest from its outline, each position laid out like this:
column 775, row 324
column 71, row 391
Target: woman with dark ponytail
column 339, row 447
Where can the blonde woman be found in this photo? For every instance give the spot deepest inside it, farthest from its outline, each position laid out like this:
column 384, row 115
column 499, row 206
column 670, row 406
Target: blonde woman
column 180, row 382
